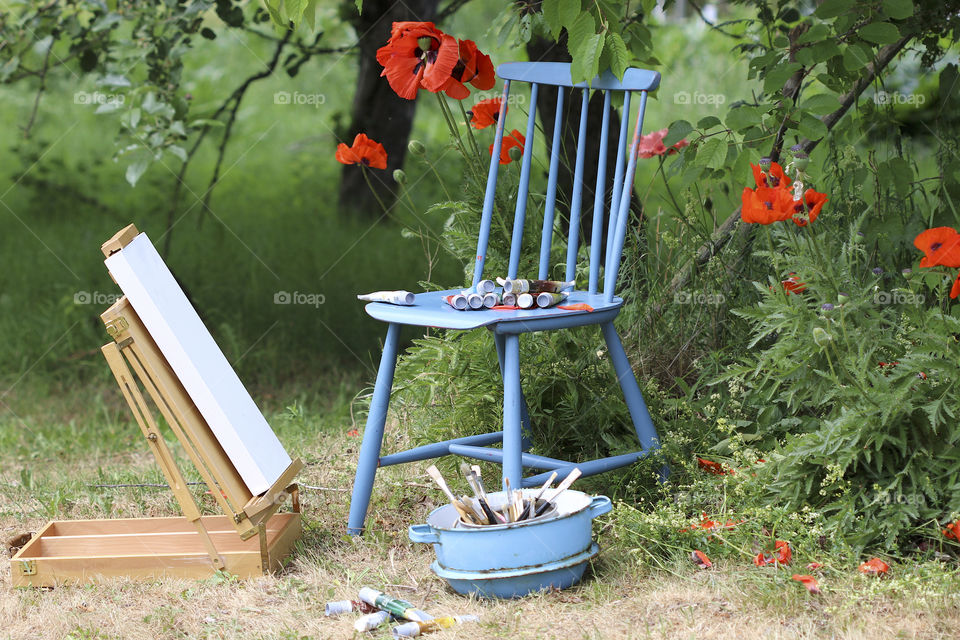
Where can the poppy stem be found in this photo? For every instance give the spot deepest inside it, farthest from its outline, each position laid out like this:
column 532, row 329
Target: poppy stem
column 455, row 133
column 366, row 177
column 473, row 140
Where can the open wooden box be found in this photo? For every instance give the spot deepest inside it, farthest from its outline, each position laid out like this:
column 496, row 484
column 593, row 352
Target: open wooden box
column 235, row 451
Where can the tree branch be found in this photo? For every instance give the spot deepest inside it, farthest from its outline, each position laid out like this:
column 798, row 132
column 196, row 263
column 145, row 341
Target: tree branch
column 43, row 86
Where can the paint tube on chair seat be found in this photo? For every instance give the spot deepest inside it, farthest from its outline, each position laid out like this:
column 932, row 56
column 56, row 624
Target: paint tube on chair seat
column 536, row 286
column 404, row 298
column 546, row 299
column 458, row 301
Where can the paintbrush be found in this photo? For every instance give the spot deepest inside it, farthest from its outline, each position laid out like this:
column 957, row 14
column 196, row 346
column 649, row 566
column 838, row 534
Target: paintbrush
column 461, row 509
column 529, row 512
column 563, row 486
column 473, row 480
column 508, row 505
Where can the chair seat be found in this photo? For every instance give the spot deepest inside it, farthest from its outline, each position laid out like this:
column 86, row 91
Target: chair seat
column 431, row 311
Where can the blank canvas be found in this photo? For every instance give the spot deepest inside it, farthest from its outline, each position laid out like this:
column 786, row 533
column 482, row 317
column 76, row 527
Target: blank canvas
column 208, row 378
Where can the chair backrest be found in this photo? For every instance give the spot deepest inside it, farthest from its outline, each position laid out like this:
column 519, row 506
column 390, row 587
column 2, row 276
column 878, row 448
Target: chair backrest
column 558, row 74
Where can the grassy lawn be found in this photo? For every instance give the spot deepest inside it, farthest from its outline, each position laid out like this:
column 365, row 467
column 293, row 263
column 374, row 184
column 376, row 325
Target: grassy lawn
column 63, row 443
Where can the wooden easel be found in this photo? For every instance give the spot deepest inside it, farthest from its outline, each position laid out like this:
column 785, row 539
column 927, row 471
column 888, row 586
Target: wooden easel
column 77, row 551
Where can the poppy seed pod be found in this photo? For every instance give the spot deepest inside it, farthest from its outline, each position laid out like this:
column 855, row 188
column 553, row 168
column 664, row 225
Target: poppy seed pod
column 399, row 176
column 515, row 153
column 801, row 162
column 821, row 337
column 842, row 297
column 416, row 148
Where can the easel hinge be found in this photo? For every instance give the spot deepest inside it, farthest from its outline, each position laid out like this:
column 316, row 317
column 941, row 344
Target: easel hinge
column 238, row 517
column 28, row 567
column 117, row 326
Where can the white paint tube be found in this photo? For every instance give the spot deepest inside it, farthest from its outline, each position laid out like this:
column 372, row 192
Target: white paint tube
column 546, row 299
column 458, row 301
column 490, row 300
column 486, row 286
column 371, row 621
column 414, row 629
column 475, row 301
column 525, row 301
column 508, row 299
column 404, row 298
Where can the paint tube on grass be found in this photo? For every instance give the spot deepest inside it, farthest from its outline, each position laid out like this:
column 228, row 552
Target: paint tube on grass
column 395, row 606
column 346, row 606
column 413, row 629
column 371, row 621
column 403, row 298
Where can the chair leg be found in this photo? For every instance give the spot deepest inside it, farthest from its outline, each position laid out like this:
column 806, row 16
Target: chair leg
column 512, row 401
column 373, row 433
column 527, row 442
column 642, row 422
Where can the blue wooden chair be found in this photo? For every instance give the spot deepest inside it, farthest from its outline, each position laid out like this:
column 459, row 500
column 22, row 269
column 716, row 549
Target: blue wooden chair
column 507, row 326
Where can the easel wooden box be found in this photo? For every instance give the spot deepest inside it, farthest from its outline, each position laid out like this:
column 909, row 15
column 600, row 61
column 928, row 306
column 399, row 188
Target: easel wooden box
column 250, row 540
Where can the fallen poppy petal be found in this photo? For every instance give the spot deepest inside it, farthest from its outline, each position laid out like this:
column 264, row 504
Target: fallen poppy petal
column 784, row 553
column 874, row 566
column 353, row 433
column 580, row 306
column 713, row 467
column 814, row 565
column 701, row 559
column 808, row 581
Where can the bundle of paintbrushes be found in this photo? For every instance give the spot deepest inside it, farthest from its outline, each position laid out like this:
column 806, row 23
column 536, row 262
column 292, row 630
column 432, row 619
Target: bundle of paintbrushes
column 515, row 507
column 524, row 294
column 378, row 608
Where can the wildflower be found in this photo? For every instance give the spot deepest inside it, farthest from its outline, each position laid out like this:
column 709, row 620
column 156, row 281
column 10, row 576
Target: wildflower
column 772, row 200
column 941, row 247
column 809, row 582
column 471, row 67
column 827, row 306
column 701, row 559
column 515, row 139
column 652, row 145
column 782, row 555
column 713, row 467
column 766, row 205
column 953, row 531
column 807, row 211
column 364, row 151
column 793, row 284
column 876, row 271
column 874, row 566
column 417, row 55
column 485, row 113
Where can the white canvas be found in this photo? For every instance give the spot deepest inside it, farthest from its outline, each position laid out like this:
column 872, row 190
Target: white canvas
column 208, row 378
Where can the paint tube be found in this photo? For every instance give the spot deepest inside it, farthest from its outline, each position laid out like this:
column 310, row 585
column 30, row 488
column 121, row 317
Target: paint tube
column 486, row 286
column 404, row 298
column 490, row 300
column 509, row 299
column 395, row 606
column 371, row 621
column 346, row 606
column 413, row 629
column 458, row 301
column 526, row 301
column 546, row 299
column 536, row 286
column 474, row 300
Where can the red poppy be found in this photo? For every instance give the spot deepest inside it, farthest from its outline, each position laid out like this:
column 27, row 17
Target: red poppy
column 485, row 113
column 807, row 211
column 417, row 54
column 953, row 530
column 793, row 285
column 713, row 467
column 955, row 289
column 874, row 566
column 364, row 151
column 515, row 139
column 701, row 559
column 941, row 246
column 782, row 555
column 472, row 66
column 652, row 145
column 809, row 582
column 775, row 177
column 766, row 205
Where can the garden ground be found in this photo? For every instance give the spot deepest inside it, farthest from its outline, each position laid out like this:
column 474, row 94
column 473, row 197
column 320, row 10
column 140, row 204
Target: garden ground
column 87, row 439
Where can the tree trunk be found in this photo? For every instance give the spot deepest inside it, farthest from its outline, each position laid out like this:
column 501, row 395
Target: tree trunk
column 541, row 49
column 377, row 111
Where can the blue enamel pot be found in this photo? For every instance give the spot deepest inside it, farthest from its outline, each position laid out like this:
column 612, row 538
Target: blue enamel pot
column 512, row 560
